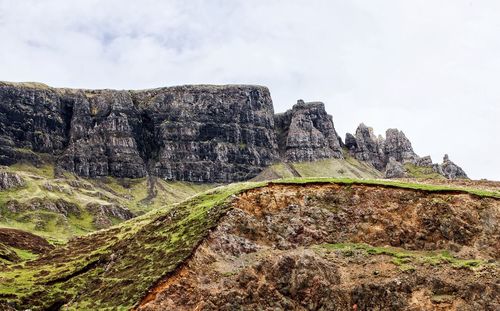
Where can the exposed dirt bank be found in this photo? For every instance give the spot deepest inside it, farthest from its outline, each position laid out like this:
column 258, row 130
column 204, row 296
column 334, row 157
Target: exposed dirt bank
column 341, row 247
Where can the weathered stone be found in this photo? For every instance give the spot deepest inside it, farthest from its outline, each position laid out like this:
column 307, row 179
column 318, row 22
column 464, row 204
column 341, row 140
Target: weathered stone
column 350, row 142
column 10, row 180
column 192, row 133
column 450, row 170
column 394, row 169
column 59, row 206
column 103, row 214
column 368, row 148
column 307, row 133
column 390, row 153
column 424, row 161
column 397, row 146
column 208, row 133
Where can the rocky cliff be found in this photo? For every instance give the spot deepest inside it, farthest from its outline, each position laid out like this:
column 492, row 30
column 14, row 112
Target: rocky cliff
column 193, row 133
column 200, row 133
column 392, row 153
column 306, row 133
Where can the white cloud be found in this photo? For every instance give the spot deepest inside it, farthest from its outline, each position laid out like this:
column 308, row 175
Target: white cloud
column 428, row 67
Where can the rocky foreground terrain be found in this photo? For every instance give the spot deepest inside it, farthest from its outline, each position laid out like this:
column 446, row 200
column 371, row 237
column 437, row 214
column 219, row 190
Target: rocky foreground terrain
column 302, row 244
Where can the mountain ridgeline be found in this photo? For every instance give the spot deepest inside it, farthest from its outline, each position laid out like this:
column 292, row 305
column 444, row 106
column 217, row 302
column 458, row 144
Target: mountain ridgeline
column 201, row 133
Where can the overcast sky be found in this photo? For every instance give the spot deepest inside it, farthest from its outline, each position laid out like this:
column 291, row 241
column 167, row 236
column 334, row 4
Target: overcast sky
column 430, row 68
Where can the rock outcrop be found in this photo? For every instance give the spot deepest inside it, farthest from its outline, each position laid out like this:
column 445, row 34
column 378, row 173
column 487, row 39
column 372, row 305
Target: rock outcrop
column 192, row 133
column 367, row 147
column 450, row 170
column 103, row 214
column 394, row 169
column 201, row 133
column 391, row 153
column 10, row 180
column 306, row 133
column 397, row 146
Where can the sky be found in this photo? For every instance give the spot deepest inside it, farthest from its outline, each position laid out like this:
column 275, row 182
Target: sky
column 430, row 67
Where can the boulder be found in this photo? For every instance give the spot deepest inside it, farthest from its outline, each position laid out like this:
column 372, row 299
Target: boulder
column 395, row 169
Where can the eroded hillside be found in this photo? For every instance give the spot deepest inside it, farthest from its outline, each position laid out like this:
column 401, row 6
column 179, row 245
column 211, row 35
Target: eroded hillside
column 302, row 244
column 61, row 206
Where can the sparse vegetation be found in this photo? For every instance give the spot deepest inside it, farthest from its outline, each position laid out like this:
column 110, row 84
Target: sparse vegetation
column 115, row 267
column 405, row 259
column 421, row 172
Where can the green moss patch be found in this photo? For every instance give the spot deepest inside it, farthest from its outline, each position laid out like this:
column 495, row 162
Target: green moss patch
column 405, row 259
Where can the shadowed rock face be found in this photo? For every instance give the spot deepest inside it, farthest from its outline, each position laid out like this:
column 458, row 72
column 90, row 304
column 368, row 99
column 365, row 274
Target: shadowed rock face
column 32, row 119
column 306, row 133
column 201, row 133
column 192, row 133
column 367, row 147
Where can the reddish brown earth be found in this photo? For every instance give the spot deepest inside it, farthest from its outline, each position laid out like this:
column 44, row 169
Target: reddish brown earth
column 268, row 253
column 24, row 240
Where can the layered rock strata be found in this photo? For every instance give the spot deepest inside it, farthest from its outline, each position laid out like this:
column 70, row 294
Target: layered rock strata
column 306, row 133
column 198, row 133
column 192, row 133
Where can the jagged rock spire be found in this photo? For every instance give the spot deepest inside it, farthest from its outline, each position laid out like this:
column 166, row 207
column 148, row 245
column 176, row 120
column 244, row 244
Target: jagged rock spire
column 450, row 170
column 306, row 133
column 389, row 154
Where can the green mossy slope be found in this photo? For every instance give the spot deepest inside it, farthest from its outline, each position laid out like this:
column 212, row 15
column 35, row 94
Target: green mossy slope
column 114, row 268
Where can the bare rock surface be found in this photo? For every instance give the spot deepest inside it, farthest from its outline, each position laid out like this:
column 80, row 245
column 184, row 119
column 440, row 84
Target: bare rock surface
column 196, row 133
column 10, row 180
column 394, row 169
column 306, row 133
column 450, row 170
column 389, row 154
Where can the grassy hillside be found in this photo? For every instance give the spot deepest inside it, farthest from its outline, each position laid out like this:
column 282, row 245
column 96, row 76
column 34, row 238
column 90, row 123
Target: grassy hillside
column 114, row 268
column 62, row 207
column 338, row 168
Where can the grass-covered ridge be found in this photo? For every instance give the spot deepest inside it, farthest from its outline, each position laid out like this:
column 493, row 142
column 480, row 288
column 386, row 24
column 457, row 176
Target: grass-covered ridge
column 393, row 184
column 331, row 168
column 115, row 268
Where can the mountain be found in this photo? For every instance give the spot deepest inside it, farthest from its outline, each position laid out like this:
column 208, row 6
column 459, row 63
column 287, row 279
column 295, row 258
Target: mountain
column 202, row 198
column 201, row 133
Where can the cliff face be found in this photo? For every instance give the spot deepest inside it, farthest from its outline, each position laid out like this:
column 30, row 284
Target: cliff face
column 32, row 118
column 391, row 153
column 198, row 133
column 306, row 133
column 192, row 133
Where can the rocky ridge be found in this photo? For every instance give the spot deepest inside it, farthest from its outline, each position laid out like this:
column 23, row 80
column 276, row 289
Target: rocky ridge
column 197, row 133
column 10, row 180
column 391, row 153
column 193, row 133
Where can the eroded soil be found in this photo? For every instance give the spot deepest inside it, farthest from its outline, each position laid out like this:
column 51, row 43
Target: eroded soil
column 341, row 247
